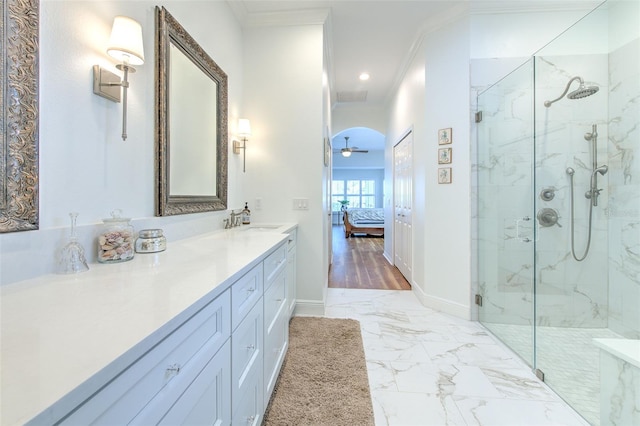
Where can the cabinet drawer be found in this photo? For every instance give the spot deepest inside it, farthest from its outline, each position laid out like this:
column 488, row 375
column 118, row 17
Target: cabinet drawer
column 244, row 294
column 274, row 263
column 205, row 400
column 246, row 352
column 171, row 359
column 250, row 405
column 275, row 300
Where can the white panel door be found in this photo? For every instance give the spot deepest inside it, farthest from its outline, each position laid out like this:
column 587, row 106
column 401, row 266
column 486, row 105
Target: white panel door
column 403, row 190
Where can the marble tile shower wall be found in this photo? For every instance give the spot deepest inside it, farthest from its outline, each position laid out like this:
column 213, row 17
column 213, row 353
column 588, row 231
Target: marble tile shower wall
column 624, row 190
column 603, row 290
column 571, row 293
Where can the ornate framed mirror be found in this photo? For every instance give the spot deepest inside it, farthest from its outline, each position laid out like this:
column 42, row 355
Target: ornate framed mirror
column 191, row 123
column 19, row 116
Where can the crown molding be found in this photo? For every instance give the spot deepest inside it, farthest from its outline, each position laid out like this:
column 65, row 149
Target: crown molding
column 434, row 23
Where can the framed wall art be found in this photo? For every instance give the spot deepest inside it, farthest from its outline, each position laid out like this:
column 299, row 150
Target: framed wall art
column 445, row 136
column 444, row 175
column 444, row 155
column 327, row 152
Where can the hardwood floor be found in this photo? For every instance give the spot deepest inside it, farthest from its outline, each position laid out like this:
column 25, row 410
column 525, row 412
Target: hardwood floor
column 358, row 263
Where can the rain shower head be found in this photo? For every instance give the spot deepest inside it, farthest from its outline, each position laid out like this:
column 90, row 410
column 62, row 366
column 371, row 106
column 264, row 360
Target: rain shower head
column 581, row 92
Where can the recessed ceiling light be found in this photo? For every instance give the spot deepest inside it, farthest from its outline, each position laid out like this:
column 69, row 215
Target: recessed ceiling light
column 364, row 76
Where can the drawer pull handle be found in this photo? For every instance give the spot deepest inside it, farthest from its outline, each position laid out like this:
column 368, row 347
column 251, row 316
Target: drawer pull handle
column 173, row 370
column 251, row 347
column 251, row 290
column 278, row 300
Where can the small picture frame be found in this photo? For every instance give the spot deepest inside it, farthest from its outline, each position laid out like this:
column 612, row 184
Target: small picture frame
column 444, row 175
column 327, row 152
column 444, row 155
column 445, row 136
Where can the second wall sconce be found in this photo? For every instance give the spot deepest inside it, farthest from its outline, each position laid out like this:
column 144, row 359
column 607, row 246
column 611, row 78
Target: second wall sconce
column 125, row 45
column 244, row 131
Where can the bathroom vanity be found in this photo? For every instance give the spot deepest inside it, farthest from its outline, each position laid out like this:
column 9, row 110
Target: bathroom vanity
column 194, row 334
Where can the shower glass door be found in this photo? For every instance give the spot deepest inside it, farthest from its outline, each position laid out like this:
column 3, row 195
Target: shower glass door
column 506, row 231
column 582, row 141
column 558, row 217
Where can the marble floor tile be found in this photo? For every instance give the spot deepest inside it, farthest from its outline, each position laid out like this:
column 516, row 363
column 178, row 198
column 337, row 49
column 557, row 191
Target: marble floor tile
column 430, row 368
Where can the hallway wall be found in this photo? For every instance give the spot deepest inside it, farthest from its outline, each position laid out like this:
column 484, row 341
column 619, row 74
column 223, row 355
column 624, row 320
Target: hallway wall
column 285, row 154
column 435, row 93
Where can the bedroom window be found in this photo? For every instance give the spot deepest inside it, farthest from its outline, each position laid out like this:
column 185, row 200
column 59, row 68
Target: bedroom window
column 361, row 193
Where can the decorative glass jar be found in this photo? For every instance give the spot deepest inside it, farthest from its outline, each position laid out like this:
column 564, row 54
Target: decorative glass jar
column 116, row 243
column 151, row 241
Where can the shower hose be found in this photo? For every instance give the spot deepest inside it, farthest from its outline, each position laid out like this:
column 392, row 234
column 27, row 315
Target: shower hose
column 573, row 249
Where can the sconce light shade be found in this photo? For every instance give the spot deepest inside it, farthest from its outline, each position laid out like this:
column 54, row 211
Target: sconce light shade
column 125, row 43
column 244, row 127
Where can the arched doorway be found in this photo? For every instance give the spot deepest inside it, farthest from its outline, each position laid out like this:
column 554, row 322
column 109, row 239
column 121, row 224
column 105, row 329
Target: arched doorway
column 357, row 186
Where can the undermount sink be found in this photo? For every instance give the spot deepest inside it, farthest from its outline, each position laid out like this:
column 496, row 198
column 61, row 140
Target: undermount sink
column 259, row 228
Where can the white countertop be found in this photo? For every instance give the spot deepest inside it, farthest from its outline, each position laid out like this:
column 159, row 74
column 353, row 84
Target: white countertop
column 626, row 349
column 64, row 335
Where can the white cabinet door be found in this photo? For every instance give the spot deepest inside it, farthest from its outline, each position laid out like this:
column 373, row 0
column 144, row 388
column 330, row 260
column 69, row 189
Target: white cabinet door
column 249, row 405
column 247, row 353
column 207, row 400
column 403, row 200
column 276, row 330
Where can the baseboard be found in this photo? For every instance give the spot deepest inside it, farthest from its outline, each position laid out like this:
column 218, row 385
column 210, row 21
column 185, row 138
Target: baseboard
column 386, row 256
column 442, row 305
column 309, row 308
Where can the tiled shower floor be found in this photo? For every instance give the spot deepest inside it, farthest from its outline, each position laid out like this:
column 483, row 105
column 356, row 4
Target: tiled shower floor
column 567, row 357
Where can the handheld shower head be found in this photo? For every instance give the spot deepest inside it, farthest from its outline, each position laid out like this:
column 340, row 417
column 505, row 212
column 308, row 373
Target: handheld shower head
column 602, row 170
column 581, row 92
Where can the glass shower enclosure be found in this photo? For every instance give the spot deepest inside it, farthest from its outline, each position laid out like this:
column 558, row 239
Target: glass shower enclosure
column 559, row 210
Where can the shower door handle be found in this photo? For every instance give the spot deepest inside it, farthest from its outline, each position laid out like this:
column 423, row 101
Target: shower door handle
column 520, row 227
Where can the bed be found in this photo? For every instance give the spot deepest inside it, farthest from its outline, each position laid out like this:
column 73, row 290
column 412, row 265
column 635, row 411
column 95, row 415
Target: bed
column 363, row 221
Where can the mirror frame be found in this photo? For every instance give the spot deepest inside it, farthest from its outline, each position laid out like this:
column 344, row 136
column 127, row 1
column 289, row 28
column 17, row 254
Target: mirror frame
column 169, row 30
column 19, row 177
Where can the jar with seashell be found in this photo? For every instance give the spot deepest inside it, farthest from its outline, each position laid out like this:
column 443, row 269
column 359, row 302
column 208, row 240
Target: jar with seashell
column 116, row 242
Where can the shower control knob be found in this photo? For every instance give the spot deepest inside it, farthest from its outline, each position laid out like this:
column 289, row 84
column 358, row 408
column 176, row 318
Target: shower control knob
column 548, row 194
column 547, row 217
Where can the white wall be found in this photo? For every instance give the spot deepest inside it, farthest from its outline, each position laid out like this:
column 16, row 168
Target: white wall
column 446, row 255
column 84, row 164
column 348, row 115
column 285, row 155
column 407, row 113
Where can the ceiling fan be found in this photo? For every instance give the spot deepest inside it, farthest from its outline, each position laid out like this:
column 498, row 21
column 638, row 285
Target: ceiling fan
column 346, row 151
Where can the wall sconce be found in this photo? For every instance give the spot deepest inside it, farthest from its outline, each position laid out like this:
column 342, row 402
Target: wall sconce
column 244, row 131
column 125, row 45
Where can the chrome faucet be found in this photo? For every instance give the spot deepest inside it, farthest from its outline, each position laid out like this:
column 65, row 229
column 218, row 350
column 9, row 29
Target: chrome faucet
column 233, row 221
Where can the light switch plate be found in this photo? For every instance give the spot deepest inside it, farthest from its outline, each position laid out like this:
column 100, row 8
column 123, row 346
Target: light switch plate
column 301, row 204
